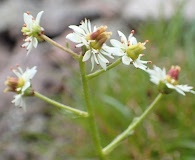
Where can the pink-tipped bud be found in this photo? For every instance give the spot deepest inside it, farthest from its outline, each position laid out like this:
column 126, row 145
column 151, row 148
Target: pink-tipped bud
column 174, row 72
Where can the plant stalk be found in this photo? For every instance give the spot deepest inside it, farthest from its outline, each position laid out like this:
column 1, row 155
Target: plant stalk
column 62, row 106
column 95, row 74
column 91, row 118
column 67, row 50
column 110, row 147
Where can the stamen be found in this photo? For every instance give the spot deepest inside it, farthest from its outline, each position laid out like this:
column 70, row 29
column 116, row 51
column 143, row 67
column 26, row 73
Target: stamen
column 146, row 41
column 142, row 55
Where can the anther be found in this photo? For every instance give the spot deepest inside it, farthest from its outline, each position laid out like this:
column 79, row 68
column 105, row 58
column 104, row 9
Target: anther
column 132, row 31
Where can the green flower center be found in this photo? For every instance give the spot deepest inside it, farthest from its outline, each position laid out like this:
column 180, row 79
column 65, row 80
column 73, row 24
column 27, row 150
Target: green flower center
column 133, row 51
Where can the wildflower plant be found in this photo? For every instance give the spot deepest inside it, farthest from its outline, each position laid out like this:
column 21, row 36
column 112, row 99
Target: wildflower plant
column 92, row 41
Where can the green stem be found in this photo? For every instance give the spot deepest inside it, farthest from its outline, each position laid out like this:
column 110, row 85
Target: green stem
column 95, row 74
column 49, row 40
column 91, row 118
column 130, row 128
column 59, row 105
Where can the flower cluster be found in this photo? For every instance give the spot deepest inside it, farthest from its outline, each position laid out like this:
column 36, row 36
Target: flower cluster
column 21, row 85
column 96, row 49
column 32, row 31
column 167, row 82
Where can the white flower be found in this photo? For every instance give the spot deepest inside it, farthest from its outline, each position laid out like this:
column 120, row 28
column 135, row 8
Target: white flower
column 130, row 50
column 94, row 42
column 20, row 85
column 31, row 30
column 167, row 81
column 24, row 77
column 97, row 56
column 81, row 33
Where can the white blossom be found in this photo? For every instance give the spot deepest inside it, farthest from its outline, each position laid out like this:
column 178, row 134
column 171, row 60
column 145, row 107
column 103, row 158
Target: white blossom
column 93, row 40
column 31, row 30
column 158, row 76
column 20, row 84
column 130, row 50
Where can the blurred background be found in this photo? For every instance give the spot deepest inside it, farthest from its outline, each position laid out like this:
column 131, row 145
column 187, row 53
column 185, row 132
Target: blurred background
column 46, row 133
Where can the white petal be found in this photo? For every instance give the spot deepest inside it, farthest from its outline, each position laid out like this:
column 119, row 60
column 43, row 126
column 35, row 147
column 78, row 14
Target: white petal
column 27, row 19
column 79, row 45
column 117, row 52
column 29, row 73
column 26, row 86
column 94, row 28
column 185, row 88
column 85, row 26
column 103, row 59
column 116, row 43
column 28, row 51
column 175, row 88
column 34, row 42
column 38, row 18
column 95, row 58
column 126, row 60
column 92, row 63
column 29, row 47
column 157, row 73
column 102, row 63
column 133, row 41
column 139, row 64
column 19, row 101
column 87, row 55
column 77, row 29
column 154, row 80
column 25, row 45
column 89, row 26
column 107, row 51
column 73, row 37
column 123, row 38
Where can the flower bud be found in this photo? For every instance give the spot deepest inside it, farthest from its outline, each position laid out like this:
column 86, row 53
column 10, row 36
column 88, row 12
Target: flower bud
column 99, row 37
column 173, row 75
column 13, row 83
